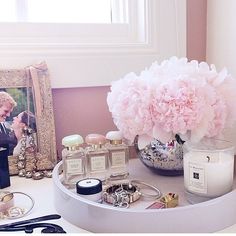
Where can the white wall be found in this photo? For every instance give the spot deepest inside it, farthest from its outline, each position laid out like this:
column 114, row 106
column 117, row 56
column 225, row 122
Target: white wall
column 221, row 41
column 221, row 34
column 74, row 65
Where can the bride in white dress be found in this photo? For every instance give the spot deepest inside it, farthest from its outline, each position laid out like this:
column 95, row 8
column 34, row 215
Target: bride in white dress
column 23, row 124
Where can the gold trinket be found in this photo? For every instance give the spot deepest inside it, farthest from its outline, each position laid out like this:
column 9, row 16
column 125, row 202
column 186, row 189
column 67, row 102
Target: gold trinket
column 170, row 200
column 6, row 201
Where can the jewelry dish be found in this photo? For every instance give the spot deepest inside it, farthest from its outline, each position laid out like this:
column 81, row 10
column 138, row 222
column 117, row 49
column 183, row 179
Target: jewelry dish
column 205, row 217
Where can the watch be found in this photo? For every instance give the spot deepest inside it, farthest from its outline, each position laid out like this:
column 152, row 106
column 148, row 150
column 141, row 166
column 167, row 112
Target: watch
column 121, row 195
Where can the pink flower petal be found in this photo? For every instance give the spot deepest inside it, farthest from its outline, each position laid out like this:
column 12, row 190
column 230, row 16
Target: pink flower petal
column 161, row 135
column 143, row 141
column 173, row 97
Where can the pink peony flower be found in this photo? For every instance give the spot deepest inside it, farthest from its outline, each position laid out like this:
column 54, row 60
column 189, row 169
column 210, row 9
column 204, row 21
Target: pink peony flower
column 175, row 97
column 128, row 102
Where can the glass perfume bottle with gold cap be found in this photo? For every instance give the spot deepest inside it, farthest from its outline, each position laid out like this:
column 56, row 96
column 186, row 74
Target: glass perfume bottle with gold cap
column 73, row 159
column 118, row 155
column 97, row 157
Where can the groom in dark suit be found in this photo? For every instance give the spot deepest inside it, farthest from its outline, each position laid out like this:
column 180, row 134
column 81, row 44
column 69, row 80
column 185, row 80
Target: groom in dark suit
column 7, row 138
column 7, row 103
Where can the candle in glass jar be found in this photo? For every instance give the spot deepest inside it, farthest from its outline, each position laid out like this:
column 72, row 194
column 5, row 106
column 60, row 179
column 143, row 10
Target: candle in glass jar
column 208, row 173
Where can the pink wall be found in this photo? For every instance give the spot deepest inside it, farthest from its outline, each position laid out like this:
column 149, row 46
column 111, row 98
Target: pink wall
column 81, row 111
column 84, row 110
column 196, row 29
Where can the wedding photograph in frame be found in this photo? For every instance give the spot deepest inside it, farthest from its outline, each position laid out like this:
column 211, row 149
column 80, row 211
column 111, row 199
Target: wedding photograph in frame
column 30, row 88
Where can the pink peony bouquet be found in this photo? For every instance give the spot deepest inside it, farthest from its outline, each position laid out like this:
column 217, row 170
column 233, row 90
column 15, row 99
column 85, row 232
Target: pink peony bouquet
column 190, row 99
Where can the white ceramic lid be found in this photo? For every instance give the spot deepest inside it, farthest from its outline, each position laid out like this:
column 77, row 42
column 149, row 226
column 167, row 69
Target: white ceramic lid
column 72, row 140
column 95, row 139
column 114, row 135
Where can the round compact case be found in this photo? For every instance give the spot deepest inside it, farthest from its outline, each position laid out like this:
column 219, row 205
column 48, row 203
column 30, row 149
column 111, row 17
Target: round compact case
column 90, row 188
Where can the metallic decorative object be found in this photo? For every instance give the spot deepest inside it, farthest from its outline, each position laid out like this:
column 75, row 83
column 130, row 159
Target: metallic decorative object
column 162, row 158
column 22, row 160
column 22, row 173
column 37, row 175
column 47, row 173
column 30, row 163
column 28, row 174
column 21, row 165
column 170, row 200
column 123, row 194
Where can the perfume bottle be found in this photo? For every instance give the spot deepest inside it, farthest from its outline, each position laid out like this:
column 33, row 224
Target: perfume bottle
column 73, row 159
column 97, row 157
column 118, row 155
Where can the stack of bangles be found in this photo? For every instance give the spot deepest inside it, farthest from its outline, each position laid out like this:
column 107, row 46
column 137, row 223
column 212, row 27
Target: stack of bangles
column 8, row 208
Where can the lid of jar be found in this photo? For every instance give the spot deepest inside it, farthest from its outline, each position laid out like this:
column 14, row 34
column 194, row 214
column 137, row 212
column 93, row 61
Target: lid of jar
column 89, row 186
column 95, row 139
column 114, row 135
column 72, row 140
column 210, row 145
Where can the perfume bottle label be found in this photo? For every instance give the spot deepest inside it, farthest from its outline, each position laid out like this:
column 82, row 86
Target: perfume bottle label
column 74, row 166
column 98, row 163
column 197, row 178
column 118, row 159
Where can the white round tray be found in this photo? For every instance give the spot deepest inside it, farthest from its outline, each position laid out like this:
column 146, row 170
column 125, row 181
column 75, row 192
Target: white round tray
column 205, row 217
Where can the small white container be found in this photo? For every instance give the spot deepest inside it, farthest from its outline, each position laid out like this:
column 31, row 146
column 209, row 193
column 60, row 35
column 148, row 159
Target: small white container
column 90, row 188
